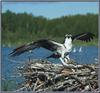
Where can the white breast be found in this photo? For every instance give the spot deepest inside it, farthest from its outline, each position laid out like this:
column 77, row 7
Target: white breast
column 68, row 44
column 61, row 49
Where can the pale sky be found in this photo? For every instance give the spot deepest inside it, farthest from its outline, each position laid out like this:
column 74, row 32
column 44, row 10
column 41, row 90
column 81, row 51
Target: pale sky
column 52, row 9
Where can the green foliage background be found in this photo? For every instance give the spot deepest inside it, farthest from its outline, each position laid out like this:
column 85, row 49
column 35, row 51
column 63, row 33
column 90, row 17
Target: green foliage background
column 21, row 28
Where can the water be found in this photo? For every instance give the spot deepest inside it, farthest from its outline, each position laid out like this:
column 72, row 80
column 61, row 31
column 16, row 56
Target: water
column 82, row 55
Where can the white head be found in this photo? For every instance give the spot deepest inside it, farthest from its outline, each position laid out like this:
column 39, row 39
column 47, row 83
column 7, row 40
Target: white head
column 68, row 35
column 68, row 38
column 68, row 42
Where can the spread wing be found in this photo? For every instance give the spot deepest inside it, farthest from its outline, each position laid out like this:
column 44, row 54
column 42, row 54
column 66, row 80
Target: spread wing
column 47, row 44
column 84, row 37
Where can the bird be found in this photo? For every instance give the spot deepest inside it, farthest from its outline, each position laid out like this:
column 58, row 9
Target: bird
column 59, row 50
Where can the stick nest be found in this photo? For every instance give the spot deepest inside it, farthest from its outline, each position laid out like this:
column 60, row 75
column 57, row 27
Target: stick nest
column 42, row 75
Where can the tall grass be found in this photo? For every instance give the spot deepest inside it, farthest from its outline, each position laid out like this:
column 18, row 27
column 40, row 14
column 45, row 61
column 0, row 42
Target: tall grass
column 20, row 41
column 8, row 85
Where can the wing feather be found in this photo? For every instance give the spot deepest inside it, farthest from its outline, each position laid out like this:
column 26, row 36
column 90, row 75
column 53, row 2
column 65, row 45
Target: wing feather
column 83, row 37
column 48, row 44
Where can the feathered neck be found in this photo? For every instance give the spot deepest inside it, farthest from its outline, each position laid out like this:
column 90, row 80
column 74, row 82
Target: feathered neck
column 68, row 41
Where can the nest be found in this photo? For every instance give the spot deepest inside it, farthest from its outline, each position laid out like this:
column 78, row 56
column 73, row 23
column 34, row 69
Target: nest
column 42, row 75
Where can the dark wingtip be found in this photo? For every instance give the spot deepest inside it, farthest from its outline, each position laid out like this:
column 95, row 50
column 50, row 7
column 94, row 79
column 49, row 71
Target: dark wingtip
column 11, row 54
column 91, row 36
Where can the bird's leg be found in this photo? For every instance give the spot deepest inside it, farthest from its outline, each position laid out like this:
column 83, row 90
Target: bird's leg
column 66, row 60
column 67, row 57
column 63, row 56
column 63, row 61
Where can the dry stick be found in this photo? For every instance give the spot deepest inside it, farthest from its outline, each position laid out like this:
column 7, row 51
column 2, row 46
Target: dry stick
column 40, row 90
column 35, row 84
column 20, row 89
column 60, row 78
column 74, row 87
column 25, row 86
column 39, row 85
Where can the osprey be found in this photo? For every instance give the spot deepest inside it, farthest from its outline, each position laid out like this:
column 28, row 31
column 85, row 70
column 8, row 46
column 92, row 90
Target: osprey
column 59, row 50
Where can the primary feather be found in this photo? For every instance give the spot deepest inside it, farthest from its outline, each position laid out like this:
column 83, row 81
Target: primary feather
column 83, row 37
column 48, row 44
